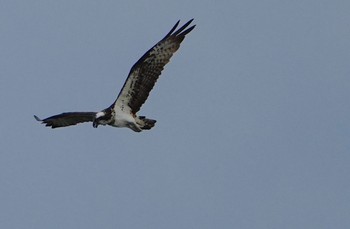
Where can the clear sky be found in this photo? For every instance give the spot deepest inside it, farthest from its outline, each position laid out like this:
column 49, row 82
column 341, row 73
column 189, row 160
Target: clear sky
column 253, row 116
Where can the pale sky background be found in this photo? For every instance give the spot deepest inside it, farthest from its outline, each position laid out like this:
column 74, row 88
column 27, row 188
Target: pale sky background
column 253, row 116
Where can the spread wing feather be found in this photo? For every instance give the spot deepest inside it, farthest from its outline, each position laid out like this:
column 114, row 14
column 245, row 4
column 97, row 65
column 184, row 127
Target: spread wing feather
column 145, row 72
column 67, row 119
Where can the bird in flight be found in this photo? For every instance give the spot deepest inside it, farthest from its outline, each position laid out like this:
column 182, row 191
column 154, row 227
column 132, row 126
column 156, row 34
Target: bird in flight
column 140, row 81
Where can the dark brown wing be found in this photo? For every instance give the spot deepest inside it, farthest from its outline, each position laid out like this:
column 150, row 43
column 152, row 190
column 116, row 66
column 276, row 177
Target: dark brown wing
column 67, row 119
column 145, row 72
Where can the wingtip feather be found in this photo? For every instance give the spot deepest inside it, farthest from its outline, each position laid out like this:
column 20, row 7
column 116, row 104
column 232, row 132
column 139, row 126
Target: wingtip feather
column 37, row 118
column 181, row 30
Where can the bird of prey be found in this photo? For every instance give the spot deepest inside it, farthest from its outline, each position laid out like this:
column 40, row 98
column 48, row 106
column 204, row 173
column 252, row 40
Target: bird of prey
column 140, row 81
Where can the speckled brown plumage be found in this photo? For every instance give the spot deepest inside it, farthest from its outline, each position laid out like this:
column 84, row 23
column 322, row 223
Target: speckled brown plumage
column 146, row 71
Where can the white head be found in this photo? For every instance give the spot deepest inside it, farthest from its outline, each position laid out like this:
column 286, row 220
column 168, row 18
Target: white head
column 102, row 118
column 100, row 114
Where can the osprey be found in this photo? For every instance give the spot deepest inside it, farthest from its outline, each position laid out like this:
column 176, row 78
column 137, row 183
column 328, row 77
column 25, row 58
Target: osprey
column 140, row 81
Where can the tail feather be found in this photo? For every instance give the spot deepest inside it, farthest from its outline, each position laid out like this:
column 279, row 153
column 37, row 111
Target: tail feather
column 145, row 123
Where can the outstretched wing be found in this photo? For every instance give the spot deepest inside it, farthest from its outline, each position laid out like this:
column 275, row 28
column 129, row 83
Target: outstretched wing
column 67, row 119
column 145, row 72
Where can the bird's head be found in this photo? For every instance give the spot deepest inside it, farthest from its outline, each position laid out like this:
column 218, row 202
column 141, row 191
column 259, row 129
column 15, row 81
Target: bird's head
column 102, row 118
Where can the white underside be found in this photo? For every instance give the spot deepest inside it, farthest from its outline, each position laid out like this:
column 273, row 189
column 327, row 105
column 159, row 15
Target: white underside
column 123, row 119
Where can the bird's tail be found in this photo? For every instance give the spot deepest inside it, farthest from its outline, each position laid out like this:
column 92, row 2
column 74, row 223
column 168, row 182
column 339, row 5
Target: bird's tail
column 145, row 123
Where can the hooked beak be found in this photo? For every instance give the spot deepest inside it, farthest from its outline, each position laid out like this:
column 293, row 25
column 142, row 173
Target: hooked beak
column 95, row 123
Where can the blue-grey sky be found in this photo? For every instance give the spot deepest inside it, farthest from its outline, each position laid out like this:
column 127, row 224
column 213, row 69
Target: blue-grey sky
column 253, row 116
